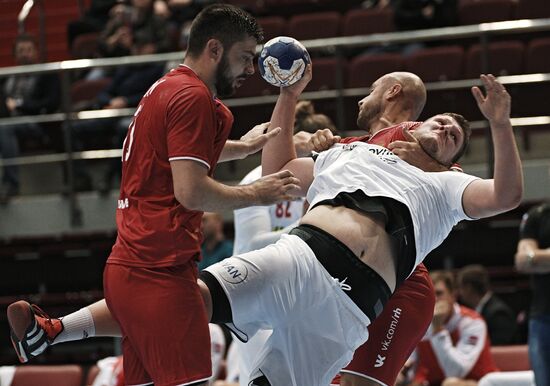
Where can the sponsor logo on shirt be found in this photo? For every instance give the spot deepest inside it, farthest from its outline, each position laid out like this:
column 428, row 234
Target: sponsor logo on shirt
column 123, row 203
column 381, row 152
column 384, row 154
column 233, row 271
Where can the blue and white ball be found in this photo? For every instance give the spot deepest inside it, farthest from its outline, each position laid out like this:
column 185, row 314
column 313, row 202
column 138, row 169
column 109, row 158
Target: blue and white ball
column 283, row 61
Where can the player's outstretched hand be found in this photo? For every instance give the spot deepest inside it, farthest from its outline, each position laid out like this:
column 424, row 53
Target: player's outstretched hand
column 280, row 186
column 495, row 105
column 411, row 152
column 322, row 140
column 258, row 136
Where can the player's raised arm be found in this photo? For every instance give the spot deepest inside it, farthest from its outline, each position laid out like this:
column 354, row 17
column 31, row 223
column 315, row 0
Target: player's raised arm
column 484, row 198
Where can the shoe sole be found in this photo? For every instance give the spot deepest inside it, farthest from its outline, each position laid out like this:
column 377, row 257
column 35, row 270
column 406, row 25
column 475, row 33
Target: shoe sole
column 18, row 313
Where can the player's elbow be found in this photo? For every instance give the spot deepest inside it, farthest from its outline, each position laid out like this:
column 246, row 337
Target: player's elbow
column 513, row 198
column 189, row 199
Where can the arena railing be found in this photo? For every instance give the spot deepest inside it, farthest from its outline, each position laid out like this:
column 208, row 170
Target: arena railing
column 335, row 46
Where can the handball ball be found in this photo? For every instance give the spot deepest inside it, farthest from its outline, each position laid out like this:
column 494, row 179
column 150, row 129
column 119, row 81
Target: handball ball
column 283, row 61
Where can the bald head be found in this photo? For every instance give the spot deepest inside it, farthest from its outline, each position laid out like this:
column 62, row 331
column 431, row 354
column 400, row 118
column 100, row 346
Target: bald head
column 413, row 90
column 394, row 98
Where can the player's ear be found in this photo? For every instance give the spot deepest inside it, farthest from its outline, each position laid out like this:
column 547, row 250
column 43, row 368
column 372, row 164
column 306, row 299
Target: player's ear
column 394, row 91
column 214, row 49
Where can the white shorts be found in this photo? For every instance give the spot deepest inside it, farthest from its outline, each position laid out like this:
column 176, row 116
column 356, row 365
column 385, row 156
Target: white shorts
column 316, row 326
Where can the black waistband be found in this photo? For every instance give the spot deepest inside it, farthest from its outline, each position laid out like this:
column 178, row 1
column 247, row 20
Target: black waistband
column 360, row 282
column 398, row 225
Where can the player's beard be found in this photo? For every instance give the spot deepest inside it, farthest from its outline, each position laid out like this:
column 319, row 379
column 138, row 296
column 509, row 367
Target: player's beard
column 224, row 81
column 430, row 145
column 368, row 115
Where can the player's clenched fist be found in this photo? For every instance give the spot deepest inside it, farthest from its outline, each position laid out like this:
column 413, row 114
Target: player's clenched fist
column 323, row 139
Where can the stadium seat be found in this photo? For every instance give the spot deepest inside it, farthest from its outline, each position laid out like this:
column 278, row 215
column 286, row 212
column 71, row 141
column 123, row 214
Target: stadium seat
column 367, row 21
column 537, row 58
column 273, row 26
column 255, row 86
column 486, row 11
column 325, row 74
column 314, row 25
column 62, row 375
column 253, row 6
column 84, row 92
column 85, row 46
column 437, row 63
column 532, row 9
column 505, row 58
column 363, row 70
column 533, row 97
column 511, row 358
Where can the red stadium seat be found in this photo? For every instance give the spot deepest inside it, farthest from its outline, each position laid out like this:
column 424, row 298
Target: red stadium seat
column 84, row 92
column 537, row 58
column 85, row 46
column 273, row 26
column 485, row 11
column 363, row 70
column 505, row 58
column 314, row 25
column 255, row 86
column 325, row 72
column 437, row 63
column 533, row 97
column 511, row 358
column 63, row 375
column 367, row 21
column 532, row 9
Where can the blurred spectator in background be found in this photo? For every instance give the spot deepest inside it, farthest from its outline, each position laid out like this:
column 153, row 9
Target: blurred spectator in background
column 125, row 21
column 93, row 20
column 455, row 350
column 533, row 257
column 414, row 15
column 215, row 247
column 128, row 86
column 309, row 121
column 475, row 292
column 24, row 95
column 422, row 14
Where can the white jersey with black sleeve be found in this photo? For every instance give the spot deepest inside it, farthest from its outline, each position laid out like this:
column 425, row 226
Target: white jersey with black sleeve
column 434, row 199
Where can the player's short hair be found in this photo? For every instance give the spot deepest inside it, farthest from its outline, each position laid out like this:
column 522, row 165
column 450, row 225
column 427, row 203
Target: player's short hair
column 475, row 276
column 465, row 126
column 446, row 277
column 224, row 22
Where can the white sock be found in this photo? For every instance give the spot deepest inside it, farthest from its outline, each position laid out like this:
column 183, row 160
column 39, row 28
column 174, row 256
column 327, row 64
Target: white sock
column 76, row 326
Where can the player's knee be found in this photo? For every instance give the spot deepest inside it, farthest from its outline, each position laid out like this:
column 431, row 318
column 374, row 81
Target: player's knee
column 260, row 381
column 354, row 380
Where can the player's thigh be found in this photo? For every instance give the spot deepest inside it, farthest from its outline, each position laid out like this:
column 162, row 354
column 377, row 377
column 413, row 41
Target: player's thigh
column 162, row 315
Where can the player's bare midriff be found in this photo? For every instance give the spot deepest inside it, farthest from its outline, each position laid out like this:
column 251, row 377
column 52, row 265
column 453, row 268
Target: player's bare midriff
column 363, row 234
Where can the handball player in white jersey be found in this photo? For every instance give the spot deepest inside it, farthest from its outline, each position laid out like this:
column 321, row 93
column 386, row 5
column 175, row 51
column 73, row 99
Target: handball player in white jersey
column 372, row 219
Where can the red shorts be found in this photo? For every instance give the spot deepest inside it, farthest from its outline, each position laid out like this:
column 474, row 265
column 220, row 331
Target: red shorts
column 165, row 336
column 395, row 333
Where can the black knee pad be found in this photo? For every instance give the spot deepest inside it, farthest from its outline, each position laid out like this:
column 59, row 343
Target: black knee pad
column 260, row 381
column 221, row 309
